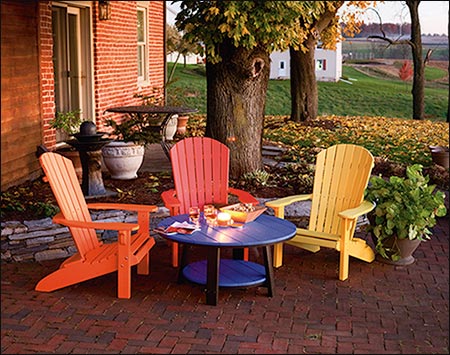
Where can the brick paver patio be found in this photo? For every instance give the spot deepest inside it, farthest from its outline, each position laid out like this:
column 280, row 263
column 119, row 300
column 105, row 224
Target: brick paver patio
column 380, row 309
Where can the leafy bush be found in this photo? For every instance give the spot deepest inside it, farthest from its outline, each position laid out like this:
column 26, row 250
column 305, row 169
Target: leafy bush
column 405, row 208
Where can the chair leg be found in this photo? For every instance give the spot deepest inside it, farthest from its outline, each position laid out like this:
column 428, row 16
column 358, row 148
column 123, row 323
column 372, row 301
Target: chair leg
column 174, row 254
column 70, row 274
column 344, row 258
column 278, row 255
column 124, row 281
column 143, row 268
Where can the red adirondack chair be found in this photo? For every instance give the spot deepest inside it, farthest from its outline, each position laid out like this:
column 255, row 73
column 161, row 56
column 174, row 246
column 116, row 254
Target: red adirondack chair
column 200, row 168
column 94, row 258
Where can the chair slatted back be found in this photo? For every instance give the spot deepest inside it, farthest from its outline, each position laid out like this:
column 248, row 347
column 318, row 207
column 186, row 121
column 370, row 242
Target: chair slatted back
column 200, row 167
column 341, row 176
column 63, row 181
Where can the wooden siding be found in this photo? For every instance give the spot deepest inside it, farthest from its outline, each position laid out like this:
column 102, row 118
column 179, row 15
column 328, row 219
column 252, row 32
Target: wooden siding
column 21, row 129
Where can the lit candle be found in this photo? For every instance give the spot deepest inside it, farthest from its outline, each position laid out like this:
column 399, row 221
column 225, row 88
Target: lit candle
column 223, row 219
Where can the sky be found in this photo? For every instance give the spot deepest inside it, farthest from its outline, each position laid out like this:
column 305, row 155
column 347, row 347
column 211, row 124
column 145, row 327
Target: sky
column 433, row 15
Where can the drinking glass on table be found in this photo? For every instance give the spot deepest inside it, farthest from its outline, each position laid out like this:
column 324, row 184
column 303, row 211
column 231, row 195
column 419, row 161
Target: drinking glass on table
column 194, row 214
column 210, row 213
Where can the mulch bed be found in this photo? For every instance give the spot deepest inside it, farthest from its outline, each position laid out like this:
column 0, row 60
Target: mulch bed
column 147, row 189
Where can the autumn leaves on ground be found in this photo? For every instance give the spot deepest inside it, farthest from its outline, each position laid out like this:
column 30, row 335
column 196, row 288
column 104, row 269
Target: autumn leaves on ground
column 395, row 143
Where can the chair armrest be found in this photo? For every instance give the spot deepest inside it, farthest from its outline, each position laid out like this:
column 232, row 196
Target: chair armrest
column 354, row 213
column 285, row 201
column 278, row 205
column 171, row 201
column 243, row 196
column 119, row 226
column 122, row 206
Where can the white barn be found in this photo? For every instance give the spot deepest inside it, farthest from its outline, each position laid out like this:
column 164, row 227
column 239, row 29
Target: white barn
column 328, row 64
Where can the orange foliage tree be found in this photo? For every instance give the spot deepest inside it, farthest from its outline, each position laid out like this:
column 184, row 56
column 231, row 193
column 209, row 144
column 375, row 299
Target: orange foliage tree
column 406, row 71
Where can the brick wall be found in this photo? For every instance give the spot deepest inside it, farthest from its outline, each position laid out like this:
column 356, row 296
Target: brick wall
column 115, row 57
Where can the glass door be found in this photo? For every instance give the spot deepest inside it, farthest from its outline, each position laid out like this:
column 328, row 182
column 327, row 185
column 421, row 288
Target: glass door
column 71, row 61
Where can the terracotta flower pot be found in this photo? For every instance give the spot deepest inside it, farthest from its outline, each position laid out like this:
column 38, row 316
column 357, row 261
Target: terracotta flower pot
column 440, row 155
column 181, row 126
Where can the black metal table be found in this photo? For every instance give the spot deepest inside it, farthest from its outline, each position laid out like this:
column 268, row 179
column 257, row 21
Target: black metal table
column 168, row 111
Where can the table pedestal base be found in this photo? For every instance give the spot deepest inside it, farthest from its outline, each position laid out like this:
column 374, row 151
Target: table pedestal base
column 215, row 272
column 232, row 273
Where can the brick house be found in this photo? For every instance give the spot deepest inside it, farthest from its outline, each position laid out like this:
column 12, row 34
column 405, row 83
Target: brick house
column 59, row 56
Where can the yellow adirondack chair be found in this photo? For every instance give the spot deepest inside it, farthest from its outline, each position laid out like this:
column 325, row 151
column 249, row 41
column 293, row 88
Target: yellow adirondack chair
column 341, row 176
column 94, row 258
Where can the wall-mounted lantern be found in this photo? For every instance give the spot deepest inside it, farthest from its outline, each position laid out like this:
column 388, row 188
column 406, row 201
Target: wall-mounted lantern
column 104, row 10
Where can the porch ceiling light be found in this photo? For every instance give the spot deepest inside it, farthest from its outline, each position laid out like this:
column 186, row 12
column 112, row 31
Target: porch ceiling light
column 104, row 10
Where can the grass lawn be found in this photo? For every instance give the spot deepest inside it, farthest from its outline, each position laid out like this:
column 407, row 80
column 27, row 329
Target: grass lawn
column 369, row 94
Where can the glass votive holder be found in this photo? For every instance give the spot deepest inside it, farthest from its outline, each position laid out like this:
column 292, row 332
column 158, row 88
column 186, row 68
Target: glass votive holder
column 210, row 214
column 194, row 215
column 223, row 219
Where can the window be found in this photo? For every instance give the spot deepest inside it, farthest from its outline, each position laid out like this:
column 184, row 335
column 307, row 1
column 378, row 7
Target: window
column 321, row 64
column 142, row 44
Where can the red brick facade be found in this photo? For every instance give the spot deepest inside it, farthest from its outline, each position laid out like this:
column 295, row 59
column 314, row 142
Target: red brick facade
column 28, row 96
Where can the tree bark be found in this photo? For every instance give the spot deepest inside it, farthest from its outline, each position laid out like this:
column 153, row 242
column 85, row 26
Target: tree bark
column 418, row 88
column 304, row 93
column 236, row 98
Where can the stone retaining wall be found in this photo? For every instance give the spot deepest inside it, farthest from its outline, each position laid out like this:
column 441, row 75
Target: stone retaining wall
column 43, row 240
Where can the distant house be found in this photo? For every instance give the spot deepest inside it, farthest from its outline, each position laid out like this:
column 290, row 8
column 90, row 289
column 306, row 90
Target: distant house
column 328, row 64
column 68, row 55
column 185, row 59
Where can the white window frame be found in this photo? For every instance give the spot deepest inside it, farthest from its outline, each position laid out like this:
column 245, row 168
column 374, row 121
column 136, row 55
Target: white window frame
column 321, row 65
column 142, row 49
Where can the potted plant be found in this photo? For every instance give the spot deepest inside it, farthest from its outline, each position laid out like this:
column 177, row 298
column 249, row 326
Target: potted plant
column 406, row 209
column 124, row 156
column 440, row 155
column 67, row 124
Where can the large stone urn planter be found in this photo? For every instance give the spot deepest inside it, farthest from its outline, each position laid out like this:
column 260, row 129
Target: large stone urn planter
column 123, row 159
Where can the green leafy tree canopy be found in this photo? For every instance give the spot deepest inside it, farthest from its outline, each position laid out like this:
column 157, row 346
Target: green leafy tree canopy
column 271, row 25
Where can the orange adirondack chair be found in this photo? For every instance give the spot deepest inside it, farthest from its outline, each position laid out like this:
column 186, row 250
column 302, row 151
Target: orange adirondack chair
column 200, row 168
column 93, row 257
column 341, row 176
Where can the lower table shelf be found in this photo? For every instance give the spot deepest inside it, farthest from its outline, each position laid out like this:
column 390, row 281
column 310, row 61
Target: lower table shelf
column 232, row 273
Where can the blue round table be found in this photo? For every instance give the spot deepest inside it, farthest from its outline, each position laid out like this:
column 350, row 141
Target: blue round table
column 213, row 272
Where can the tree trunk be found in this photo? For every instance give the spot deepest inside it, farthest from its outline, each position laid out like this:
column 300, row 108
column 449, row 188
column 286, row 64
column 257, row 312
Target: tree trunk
column 304, row 94
column 418, row 88
column 236, row 98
